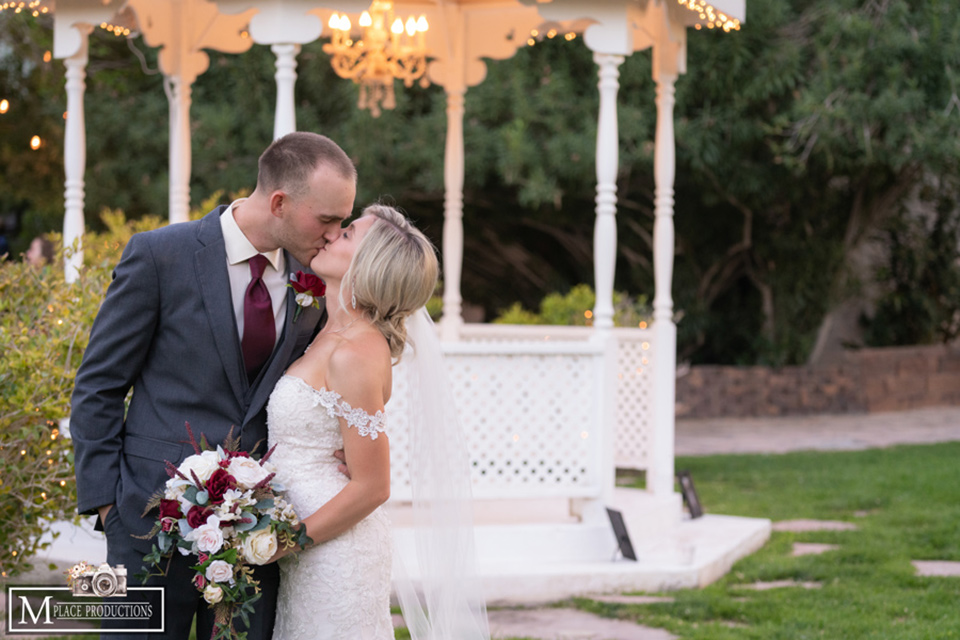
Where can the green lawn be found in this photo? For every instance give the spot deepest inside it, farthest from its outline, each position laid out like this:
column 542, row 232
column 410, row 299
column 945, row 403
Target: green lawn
column 906, row 503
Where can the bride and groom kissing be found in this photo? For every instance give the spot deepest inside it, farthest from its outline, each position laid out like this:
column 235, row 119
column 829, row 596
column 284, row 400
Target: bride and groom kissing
column 201, row 324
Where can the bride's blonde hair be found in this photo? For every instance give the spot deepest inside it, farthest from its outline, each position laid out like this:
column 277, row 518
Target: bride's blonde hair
column 392, row 274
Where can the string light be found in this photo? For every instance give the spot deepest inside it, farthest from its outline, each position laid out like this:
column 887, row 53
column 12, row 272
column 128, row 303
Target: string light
column 47, row 56
column 115, row 29
column 4, row 105
column 35, row 142
column 715, row 19
column 34, row 6
column 536, row 36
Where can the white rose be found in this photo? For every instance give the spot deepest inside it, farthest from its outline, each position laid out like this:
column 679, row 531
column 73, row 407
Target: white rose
column 219, row 571
column 247, row 471
column 213, row 594
column 203, row 465
column 208, row 536
column 304, row 299
column 260, row 546
column 174, row 491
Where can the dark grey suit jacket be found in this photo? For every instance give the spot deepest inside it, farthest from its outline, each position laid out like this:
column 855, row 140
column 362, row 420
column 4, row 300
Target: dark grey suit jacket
column 167, row 329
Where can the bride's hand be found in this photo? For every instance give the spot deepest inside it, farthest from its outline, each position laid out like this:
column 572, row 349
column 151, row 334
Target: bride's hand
column 342, row 457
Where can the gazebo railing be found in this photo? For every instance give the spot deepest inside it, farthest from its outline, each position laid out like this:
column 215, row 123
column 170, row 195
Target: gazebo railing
column 635, row 355
column 530, row 403
column 531, row 416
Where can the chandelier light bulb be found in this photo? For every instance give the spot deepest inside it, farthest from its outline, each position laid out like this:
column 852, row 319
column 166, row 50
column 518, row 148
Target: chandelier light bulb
column 397, row 27
column 366, row 20
column 411, row 26
column 334, row 21
column 345, row 23
column 422, row 25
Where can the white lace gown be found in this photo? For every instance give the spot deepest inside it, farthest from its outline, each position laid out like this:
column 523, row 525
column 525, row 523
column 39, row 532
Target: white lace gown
column 340, row 589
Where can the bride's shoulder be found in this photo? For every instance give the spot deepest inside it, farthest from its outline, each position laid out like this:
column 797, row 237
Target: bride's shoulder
column 359, row 367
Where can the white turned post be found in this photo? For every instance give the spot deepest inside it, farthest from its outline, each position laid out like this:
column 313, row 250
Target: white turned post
column 285, row 117
column 661, row 472
column 74, row 160
column 605, row 229
column 452, row 319
column 180, row 151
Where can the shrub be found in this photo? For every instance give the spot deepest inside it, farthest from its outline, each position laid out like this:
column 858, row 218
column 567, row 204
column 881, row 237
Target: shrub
column 576, row 308
column 44, row 327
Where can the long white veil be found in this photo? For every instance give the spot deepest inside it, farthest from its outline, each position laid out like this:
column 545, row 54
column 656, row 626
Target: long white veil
column 448, row 605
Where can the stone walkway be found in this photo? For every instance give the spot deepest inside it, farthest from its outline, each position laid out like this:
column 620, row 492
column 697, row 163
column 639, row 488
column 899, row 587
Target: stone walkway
column 824, row 433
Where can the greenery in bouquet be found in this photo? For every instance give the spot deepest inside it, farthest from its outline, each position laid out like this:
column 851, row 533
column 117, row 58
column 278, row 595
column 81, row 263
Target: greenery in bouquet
column 223, row 507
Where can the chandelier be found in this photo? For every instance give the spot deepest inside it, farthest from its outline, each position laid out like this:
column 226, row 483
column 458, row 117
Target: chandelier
column 390, row 48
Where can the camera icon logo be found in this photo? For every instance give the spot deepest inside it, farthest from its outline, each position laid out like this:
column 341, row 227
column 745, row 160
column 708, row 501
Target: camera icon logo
column 101, row 582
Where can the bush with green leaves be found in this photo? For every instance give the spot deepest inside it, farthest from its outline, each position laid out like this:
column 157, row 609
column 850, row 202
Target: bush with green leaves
column 576, row 308
column 44, row 327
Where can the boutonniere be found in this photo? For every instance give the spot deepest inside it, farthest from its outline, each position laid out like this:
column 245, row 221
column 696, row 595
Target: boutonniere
column 308, row 288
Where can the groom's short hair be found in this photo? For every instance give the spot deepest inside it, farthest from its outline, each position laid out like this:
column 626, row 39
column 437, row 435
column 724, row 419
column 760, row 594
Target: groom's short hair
column 288, row 161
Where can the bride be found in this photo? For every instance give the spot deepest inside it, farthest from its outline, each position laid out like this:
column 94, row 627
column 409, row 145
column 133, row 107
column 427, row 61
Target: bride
column 379, row 273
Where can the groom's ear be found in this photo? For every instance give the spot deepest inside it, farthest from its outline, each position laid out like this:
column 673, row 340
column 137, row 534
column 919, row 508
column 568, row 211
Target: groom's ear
column 278, row 200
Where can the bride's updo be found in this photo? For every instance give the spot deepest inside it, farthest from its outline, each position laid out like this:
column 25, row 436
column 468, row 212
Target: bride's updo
column 392, row 274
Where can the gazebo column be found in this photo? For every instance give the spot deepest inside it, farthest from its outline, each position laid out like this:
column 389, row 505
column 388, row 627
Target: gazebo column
column 605, row 229
column 285, row 118
column 453, row 216
column 75, row 158
column 660, row 475
column 179, row 98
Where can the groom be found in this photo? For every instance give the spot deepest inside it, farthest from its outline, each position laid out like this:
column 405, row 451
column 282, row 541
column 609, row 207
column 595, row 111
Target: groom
column 200, row 323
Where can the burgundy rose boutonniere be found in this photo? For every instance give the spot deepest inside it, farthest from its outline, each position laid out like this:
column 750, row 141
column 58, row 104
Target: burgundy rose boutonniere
column 308, row 287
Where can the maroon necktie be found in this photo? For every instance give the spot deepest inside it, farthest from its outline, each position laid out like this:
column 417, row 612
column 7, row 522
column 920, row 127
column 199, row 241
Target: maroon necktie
column 259, row 328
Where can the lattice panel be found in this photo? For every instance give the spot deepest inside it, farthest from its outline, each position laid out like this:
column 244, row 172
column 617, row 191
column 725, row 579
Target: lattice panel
column 530, row 422
column 634, row 427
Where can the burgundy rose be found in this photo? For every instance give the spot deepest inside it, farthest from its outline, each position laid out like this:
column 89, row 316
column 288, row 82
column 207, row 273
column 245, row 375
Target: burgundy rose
column 170, row 509
column 218, row 484
column 308, row 288
column 236, row 454
column 309, row 283
column 197, row 516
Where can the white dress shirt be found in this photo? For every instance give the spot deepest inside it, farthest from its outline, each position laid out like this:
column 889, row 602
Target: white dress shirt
column 239, row 251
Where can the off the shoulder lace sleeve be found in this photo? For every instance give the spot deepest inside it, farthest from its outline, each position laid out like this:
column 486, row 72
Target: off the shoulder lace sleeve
column 363, row 422
column 333, row 402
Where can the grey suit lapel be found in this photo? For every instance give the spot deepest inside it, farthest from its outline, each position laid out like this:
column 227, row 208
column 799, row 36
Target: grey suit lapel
column 211, row 265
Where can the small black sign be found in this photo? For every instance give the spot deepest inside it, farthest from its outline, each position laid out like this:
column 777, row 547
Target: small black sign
column 689, row 494
column 620, row 530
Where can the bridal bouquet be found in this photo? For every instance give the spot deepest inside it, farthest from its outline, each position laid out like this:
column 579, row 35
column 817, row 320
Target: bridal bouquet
column 222, row 507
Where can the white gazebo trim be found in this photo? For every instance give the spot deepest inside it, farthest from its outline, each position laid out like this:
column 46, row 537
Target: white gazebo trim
column 669, row 61
column 179, row 98
column 608, row 164
column 75, row 157
column 285, row 117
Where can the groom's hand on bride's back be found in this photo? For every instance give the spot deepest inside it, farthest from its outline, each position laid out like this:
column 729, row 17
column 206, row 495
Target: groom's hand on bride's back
column 342, row 457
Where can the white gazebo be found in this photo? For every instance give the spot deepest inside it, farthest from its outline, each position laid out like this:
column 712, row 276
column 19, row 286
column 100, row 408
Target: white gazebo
column 550, row 412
